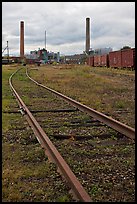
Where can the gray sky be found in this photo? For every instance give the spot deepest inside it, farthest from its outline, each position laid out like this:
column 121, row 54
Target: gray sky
column 112, row 24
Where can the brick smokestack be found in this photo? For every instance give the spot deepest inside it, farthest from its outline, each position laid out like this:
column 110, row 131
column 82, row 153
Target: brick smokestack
column 21, row 39
column 87, row 35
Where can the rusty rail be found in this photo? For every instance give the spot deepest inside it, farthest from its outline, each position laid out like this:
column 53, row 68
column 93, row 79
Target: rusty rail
column 116, row 125
column 51, row 150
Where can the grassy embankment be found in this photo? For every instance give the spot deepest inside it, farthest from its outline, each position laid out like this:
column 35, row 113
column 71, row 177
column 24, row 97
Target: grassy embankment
column 26, row 173
column 107, row 90
column 111, row 91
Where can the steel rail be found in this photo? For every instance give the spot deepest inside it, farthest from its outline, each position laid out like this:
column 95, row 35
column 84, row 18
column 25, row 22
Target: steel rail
column 51, row 150
column 116, row 125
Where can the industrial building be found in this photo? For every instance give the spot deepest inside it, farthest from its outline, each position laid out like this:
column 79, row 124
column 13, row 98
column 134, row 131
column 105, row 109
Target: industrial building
column 102, row 51
column 43, row 56
column 75, row 59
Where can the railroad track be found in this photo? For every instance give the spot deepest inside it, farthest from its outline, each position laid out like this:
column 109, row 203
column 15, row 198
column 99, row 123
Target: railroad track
column 66, row 124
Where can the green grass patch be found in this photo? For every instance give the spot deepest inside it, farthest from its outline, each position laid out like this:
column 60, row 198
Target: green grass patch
column 103, row 89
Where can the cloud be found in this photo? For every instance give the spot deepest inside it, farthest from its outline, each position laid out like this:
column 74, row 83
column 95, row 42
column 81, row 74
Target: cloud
column 112, row 24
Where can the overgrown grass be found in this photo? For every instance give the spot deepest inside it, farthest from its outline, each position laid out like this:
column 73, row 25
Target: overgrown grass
column 7, row 97
column 104, row 89
column 27, row 175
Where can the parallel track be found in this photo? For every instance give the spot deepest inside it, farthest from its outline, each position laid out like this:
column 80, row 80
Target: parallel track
column 51, row 151
column 49, row 147
column 116, row 125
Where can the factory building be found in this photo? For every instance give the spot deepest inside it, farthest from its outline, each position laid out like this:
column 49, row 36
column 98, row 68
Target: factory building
column 75, row 59
column 43, row 56
column 102, row 51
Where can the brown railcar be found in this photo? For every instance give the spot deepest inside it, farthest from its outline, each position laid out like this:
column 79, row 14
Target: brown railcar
column 97, row 60
column 90, row 61
column 115, row 59
column 118, row 59
column 128, row 58
column 104, row 60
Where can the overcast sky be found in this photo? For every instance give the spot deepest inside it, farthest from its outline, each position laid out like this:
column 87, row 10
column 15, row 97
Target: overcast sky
column 112, row 24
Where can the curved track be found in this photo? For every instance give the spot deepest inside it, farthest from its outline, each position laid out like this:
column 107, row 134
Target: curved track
column 79, row 124
column 122, row 128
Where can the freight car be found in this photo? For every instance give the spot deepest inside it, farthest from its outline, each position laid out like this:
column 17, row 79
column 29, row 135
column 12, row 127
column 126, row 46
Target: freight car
column 128, row 58
column 97, row 60
column 90, row 61
column 115, row 59
column 104, row 61
column 101, row 60
column 124, row 58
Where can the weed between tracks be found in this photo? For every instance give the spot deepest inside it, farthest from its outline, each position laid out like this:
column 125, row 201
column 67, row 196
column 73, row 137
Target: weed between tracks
column 27, row 174
column 103, row 89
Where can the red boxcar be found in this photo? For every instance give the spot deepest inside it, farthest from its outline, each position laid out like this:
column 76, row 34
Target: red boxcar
column 115, row 59
column 97, row 61
column 128, row 57
column 104, row 60
column 90, row 61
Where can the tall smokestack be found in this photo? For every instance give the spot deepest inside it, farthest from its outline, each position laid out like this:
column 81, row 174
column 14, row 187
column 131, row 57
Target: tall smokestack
column 21, row 39
column 87, row 35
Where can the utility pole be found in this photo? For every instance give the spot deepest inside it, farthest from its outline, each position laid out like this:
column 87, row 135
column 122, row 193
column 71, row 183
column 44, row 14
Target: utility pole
column 45, row 39
column 7, row 51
